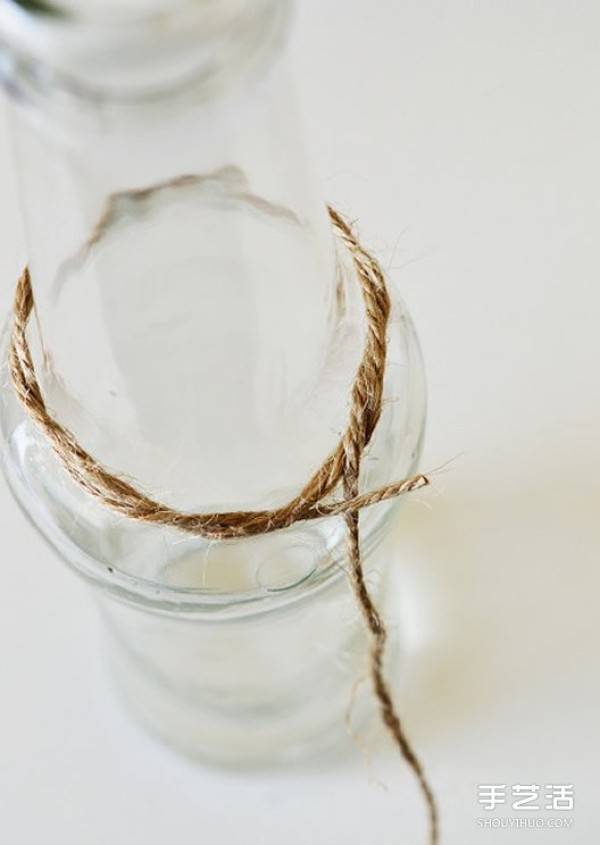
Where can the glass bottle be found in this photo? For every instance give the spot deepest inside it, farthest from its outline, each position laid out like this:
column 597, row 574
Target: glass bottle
column 197, row 327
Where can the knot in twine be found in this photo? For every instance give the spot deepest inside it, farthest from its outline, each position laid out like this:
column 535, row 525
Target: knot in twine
column 312, row 502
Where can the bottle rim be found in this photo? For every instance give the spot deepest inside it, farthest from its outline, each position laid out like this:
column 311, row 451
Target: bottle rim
column 55, row 50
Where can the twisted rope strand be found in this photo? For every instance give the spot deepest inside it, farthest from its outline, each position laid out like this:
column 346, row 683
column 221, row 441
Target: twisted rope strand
column 312, row 502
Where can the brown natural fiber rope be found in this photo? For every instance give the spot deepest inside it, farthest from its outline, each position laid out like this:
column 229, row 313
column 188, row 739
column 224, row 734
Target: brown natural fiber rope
column 313, row 501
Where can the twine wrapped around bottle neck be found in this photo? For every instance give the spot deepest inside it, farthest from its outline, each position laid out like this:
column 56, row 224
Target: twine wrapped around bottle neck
column 312, row 502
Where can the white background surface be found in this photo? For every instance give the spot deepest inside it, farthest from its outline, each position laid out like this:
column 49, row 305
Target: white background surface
column 464, row 137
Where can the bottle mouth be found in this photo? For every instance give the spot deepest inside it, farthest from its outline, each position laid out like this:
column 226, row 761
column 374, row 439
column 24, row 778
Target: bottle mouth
column 130, row 50
column 116, row 11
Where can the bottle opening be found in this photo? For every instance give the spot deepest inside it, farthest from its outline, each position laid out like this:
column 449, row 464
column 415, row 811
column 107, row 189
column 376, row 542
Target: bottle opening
column 134, row 49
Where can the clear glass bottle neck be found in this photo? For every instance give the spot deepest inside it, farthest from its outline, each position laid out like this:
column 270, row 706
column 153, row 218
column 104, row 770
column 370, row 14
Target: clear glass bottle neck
column 184, row 277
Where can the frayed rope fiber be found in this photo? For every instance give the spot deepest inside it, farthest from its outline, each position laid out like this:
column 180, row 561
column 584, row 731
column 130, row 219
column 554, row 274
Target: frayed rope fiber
column 312, row 502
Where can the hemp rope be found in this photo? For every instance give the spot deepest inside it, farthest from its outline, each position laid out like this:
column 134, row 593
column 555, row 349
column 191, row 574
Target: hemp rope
column 343, row 464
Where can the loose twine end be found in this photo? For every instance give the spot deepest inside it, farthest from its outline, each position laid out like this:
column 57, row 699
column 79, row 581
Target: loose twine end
column 313, row 501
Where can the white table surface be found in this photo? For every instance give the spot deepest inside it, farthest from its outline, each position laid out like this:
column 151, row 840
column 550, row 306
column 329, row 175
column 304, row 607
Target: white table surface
column 465, row 138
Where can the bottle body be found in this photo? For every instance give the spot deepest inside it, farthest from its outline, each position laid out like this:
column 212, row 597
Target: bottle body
column 198, row 328
column 251, row 684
